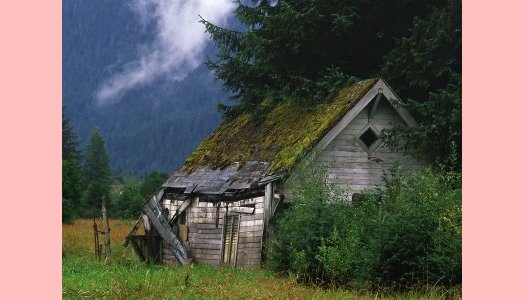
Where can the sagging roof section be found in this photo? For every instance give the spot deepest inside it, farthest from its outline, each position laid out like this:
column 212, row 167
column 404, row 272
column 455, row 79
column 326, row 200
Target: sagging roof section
column 234, row 178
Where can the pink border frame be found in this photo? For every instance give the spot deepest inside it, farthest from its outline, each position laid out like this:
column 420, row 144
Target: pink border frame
column 493, row 207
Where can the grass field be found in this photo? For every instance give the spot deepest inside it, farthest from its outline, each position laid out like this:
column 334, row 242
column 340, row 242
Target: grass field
column 125, row 277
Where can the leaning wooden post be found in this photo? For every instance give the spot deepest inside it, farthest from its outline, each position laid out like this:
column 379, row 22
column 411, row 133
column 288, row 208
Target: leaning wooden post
column 95, row 230
column 106, row 228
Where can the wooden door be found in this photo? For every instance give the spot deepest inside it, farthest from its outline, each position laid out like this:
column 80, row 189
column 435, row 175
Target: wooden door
column 230, row 239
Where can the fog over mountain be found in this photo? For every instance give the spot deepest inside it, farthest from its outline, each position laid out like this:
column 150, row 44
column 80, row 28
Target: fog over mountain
column 134, row 69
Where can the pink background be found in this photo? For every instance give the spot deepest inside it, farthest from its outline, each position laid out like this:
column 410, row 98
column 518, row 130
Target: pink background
column 30, row 155
column 493, row 145
column 493, row 111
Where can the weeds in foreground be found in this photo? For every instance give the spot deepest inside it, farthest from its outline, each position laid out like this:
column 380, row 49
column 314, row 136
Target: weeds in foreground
column 125, row 277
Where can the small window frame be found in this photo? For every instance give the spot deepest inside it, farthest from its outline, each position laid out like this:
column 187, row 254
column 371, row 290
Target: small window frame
column 374, row 145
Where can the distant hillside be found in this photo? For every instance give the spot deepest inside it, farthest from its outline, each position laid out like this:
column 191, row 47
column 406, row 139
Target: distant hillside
column 154, row 127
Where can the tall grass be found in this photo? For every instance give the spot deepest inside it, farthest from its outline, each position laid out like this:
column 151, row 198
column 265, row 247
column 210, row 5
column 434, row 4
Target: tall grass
column 125, row 277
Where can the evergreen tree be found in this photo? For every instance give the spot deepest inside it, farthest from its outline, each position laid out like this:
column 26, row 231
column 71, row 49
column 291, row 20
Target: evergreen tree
column 97, row 171
column 69, row 141
column 72, row 188
column 306, row 49
column 425, row 69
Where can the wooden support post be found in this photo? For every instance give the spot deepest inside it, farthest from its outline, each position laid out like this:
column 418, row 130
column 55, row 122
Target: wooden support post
column 97, row 245
column 106, row 228
column 268, row 195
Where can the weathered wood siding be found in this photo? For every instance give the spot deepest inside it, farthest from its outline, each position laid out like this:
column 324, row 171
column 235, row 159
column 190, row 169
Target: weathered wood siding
column 205, row 233
column 349, row 162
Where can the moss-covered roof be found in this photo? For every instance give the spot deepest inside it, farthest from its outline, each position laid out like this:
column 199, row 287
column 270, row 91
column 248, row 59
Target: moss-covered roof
column 286, row 134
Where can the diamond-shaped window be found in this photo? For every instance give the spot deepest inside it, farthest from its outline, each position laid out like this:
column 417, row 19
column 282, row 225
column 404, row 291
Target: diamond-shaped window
column 369, row 137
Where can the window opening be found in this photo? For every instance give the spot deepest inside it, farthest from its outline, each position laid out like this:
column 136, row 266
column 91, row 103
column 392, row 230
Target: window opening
column 369, row 137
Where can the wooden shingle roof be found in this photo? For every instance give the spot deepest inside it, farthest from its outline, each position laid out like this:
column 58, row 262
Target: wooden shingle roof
column 287, row 133
column 246, row 152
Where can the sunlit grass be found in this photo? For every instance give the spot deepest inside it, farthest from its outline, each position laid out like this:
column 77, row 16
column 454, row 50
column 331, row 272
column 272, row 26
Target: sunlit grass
column 125, row 277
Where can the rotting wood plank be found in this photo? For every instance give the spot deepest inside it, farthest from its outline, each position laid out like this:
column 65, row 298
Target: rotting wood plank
column 252, row 252
column 206, row 236
column 250, row 239
column 247, row 245
column 252, row 255
column 217, row 231
column 252, row 217
column 203, row 226
column 251, row 228
column 206, row 246
column 242, row 210
column 209, row 256
column 205, row 251
column 208, row 262
column 205, row 241
column 154, row 212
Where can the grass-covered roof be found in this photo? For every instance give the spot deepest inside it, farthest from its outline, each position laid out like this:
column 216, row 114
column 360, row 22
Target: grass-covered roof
column 285, row 135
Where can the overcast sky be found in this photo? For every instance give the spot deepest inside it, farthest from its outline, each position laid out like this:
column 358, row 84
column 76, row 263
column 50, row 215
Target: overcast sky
column 178, row 46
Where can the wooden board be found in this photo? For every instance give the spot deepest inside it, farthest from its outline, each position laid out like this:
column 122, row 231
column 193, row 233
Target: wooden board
column 153, row 210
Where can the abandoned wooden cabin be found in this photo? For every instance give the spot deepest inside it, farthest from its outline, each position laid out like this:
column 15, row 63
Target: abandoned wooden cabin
column 217, row 209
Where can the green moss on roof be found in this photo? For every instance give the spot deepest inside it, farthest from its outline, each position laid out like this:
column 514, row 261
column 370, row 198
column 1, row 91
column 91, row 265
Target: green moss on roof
column 287, row 133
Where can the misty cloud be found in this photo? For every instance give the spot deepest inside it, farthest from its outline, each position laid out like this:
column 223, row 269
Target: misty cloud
column 178, row 47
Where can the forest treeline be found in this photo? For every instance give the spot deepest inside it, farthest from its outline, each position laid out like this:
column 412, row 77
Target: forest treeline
column 87, row 179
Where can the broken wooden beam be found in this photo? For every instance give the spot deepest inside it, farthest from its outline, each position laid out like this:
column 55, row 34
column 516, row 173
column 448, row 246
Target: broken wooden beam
column 154, row 212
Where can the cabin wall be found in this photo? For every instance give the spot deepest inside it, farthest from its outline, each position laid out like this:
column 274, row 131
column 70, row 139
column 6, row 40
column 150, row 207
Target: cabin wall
column 349, row 163
column 205, row 233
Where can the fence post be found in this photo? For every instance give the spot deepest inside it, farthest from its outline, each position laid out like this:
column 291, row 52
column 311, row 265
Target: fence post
column 106, row 228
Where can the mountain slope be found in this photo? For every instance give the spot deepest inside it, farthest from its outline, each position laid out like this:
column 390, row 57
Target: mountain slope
column 154, row 127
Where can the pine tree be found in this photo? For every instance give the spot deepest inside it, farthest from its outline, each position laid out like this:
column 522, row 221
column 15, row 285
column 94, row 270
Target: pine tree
column 97, row 170
column 306, row 49
column 425, row 69
column 72, row 188
column 69, row 140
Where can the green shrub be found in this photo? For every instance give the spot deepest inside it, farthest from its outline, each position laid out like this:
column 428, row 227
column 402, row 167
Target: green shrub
column 129, row 202
column 317, row 208
column 406, row 234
